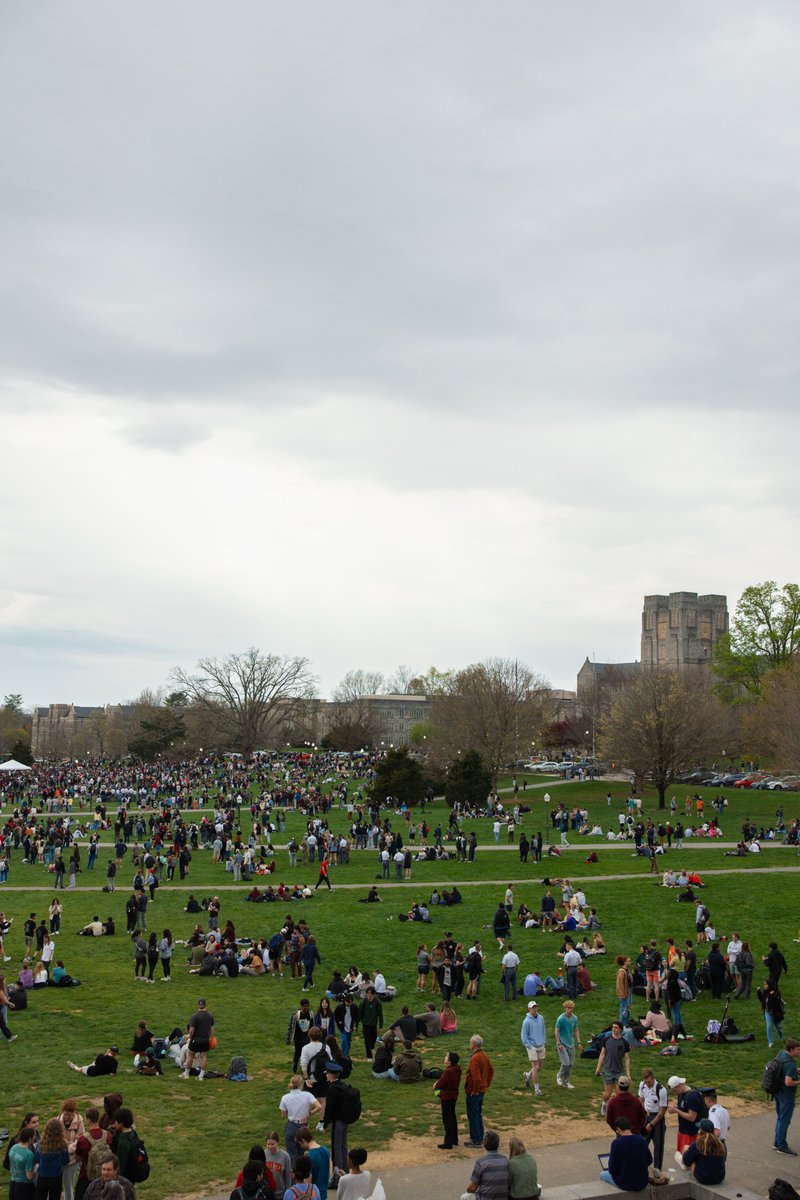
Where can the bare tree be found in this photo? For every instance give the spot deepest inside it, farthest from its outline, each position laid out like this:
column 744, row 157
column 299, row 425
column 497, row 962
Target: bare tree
column 353, row 720
column 494, row 707
column 662, row 724
column 247, row 696
column 401, row 682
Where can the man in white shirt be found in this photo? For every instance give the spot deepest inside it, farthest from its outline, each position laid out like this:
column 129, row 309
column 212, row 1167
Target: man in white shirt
column 719, row 1116
column 572, row 960
column 655, row 1100
column 510, row 963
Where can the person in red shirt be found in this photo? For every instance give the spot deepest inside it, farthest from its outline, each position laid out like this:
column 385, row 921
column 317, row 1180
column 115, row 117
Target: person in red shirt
column 446, row 1087
column 323, row 874
column 623, row 1104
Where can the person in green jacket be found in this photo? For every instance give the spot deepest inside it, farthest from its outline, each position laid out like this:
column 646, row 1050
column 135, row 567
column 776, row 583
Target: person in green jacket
column 371, row 1017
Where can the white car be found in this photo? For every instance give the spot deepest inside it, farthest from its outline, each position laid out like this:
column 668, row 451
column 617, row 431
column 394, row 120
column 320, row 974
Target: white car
column 548, row 768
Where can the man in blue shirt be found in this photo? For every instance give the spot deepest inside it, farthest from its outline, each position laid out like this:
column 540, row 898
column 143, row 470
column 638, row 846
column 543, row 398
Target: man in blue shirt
column 533, row 1036
column 628, row 1161
column 785, row 1097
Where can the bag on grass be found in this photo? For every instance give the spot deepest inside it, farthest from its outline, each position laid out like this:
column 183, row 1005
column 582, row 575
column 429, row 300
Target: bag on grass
column 781, row 1189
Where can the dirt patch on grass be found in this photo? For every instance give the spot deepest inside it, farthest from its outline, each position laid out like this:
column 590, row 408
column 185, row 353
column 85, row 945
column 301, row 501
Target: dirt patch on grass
column 548, row 1130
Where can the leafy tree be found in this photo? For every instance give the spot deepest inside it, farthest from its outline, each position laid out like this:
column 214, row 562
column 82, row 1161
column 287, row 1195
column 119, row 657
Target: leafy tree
column 21, row 751
column 468, row 780
column 764, row 636
column 162, row 730
column 662, row 724
column 400, row 775
column 775, row 720
column 246, row 697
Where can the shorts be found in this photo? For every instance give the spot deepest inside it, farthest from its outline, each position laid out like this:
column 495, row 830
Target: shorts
column 652, row 976
column 423, row 970
column 610, row 1077
column 199, row 1045
column 536, row 1053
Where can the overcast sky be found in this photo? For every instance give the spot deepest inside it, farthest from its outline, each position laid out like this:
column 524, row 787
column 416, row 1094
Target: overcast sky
column 389, row 333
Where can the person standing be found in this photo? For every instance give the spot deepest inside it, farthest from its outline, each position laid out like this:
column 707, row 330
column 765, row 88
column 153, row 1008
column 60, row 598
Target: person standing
column 785, row 1097
column 300, row 1023
column 480, row 1073
column 201, row 1030
column 690, row 1108
column 297, row 1107
column 572, row 961
column 690, row 967
column 653, row 1096
column 614, row 1060
column 309, row 958
column 534, row 1036
column 370, row 1015
column 624, row 988
column 510, row 963
column 745, row 965
column 623, row 1104
column 568, row 1035
column 718, row 1115
column 446, row 1087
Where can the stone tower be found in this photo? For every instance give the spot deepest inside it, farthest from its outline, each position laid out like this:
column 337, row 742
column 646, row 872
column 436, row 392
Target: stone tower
column 680, row 630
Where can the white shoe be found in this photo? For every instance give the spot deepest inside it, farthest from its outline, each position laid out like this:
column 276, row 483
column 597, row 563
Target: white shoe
column 537, row 1091
column 184, row 1075
column 571, row 1086
column 603, row 1109
column 527, row 1077
column 201, row 1074
column 679, row 1161
column 559, row 1080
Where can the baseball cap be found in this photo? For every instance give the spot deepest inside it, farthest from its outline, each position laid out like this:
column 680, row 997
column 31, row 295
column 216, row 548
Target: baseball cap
column 674, row 1080
column 532, row 1004
column 114, row 1049
column 705, row 1126
column 624, row 1081
column 333, row 1067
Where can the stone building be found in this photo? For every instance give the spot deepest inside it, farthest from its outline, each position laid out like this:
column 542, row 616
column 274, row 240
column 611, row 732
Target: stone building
column 681, row 629
column 73, row 730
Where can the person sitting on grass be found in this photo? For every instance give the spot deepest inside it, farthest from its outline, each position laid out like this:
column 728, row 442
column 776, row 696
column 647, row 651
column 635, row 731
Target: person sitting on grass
column 104, row 1064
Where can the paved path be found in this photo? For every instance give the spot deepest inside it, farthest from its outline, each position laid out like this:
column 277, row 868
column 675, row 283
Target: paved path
column 752, row 1164
column 404, row 884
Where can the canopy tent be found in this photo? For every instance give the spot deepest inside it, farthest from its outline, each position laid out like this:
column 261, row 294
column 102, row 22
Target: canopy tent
column 13, row 765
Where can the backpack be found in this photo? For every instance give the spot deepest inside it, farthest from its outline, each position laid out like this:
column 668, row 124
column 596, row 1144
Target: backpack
column 652, row 960
column 774, row 1074
column 317, row 1071
column 137, row 1168
column 97, row 1152
column 781, row 1190
column 237, row 1071
column 350, row 1107
column 275, row 943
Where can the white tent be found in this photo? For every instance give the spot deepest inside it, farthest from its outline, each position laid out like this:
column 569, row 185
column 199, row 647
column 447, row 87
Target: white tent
column 13, row 765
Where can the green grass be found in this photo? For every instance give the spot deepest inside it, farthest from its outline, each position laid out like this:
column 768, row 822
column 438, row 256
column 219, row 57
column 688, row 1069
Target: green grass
column 177, row 1117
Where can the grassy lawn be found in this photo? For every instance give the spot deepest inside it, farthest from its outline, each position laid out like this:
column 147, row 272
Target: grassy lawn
column 178, row 1117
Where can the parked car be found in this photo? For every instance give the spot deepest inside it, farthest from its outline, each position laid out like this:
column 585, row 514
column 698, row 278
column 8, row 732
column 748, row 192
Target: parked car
column 747, row 781
column 728, row 780
column 549, row 768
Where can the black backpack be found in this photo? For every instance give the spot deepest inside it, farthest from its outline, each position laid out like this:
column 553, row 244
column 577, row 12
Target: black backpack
column 350, row 1106
column 773, row 1077
column 317, row 1071
column 137, row 1168
column 782, row 1190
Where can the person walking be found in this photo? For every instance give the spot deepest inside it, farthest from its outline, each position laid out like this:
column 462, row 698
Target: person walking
column 614, row 1060
column 534, row 1035
column 572, row 961
column 568, row 1036
column 323, row 873
column 446, row 1088
column 309, row 958
column 480, row 1073
column 771, row 1003
column 786, row 1095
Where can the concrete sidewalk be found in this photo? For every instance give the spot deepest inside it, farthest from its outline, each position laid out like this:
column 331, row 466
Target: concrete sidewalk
column 752, row 1163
